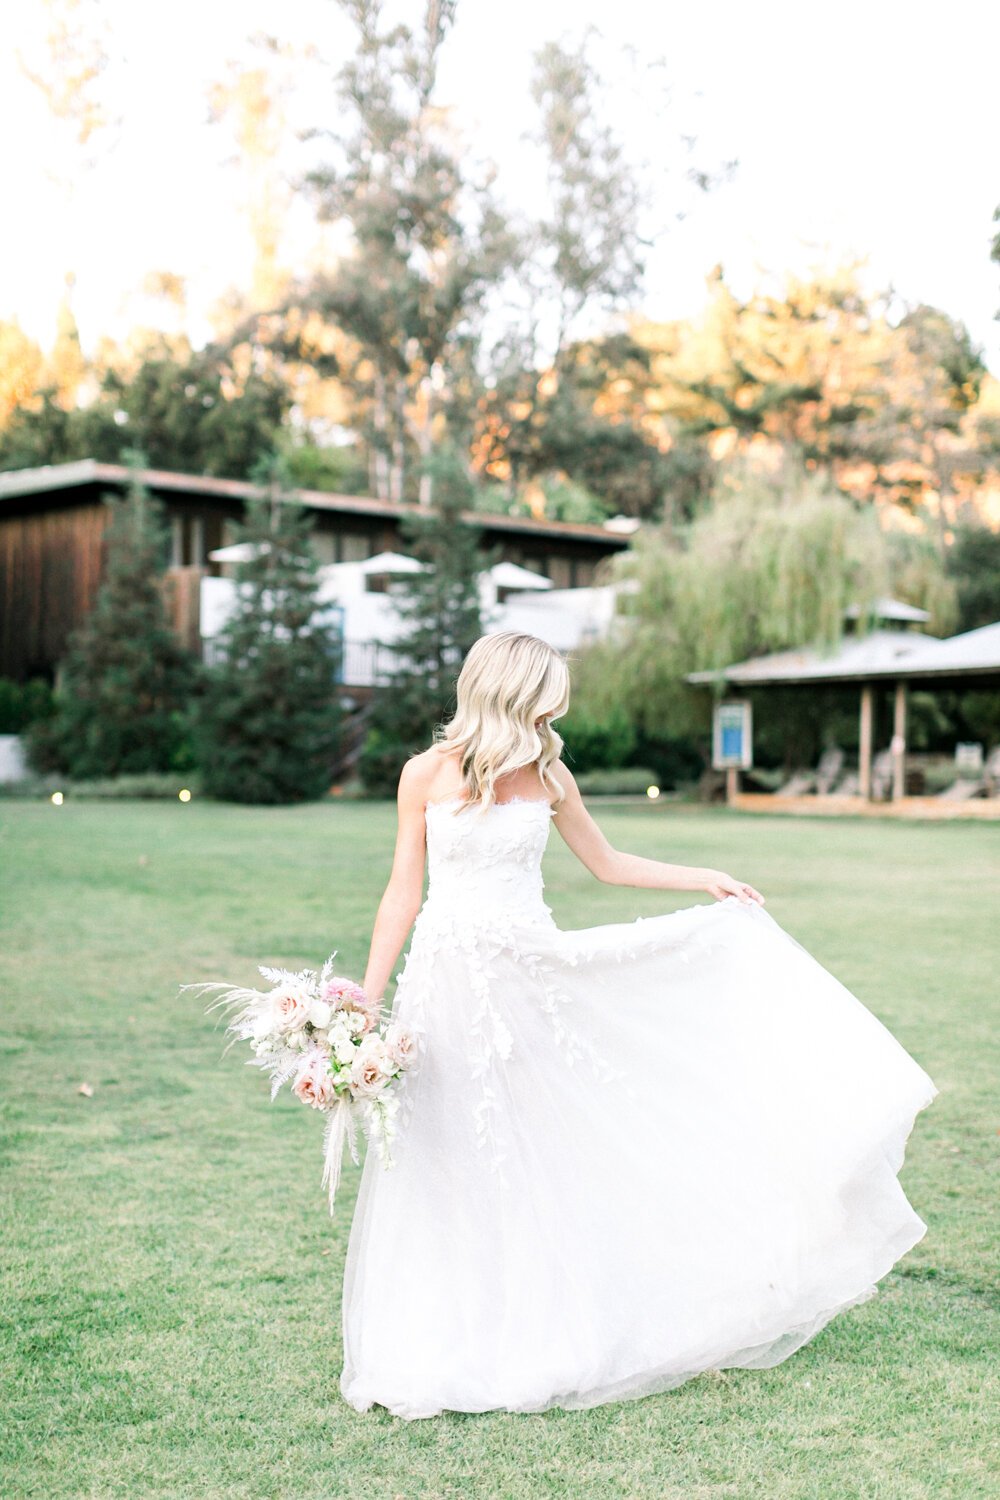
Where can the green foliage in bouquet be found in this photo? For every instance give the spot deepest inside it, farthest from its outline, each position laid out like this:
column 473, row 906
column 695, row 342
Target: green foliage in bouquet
column 268, row 721
column 124, row 686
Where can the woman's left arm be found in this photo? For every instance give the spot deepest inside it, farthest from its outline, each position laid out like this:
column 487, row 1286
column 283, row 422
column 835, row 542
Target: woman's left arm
column 614, row 867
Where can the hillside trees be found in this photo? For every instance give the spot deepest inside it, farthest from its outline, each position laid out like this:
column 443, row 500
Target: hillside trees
column 884, row 402
column 189, row 410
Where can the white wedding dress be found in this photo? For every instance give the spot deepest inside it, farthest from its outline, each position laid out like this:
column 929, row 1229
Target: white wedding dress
column 626, row 1154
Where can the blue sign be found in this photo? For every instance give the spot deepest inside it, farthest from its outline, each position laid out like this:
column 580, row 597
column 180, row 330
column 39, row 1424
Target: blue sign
column 732, row 736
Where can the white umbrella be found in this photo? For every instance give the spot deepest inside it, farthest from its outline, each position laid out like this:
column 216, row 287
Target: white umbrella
column 239, row 552
column 508, row 575
column 391, row 562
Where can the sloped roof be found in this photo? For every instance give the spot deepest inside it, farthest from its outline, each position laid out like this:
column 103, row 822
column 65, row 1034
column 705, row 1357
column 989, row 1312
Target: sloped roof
column 15, row 483
column 891, row 609
column 973, row 651
column 884, row 654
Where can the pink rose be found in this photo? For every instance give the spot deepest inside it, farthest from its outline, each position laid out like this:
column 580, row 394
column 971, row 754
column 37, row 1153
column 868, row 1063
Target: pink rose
column 314, row 1084
column 372, row 1067
column 292, row 1008
column 402, row 1046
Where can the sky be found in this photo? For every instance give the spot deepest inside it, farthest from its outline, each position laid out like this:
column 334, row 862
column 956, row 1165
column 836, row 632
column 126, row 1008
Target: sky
column 862, row 131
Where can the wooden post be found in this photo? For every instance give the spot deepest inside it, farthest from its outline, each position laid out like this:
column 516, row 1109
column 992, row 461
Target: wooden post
column 181, row 589
column 899, row 741
column 865, row 740
column 732, row 783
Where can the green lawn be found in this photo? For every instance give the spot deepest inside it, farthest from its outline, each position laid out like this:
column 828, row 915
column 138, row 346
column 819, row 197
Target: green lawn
column 171, row 1279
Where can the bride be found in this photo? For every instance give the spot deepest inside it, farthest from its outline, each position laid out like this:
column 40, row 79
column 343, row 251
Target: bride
column 627, row 1154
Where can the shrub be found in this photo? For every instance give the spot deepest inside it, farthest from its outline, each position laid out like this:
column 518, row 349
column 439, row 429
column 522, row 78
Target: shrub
column 153, row 785
column 597, row 744
column 383, row 756
column 621, row 782
column 22, row 703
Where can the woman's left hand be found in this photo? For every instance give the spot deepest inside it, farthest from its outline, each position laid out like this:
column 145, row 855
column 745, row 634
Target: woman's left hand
column 720, row 885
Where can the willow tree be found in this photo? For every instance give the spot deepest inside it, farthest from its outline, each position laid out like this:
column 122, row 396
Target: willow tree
column 772, row 564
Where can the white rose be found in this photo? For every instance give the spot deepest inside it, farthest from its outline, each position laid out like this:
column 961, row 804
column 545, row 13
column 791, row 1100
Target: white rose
column 344, row 1050
column 320, row 1013
column 291, row 1005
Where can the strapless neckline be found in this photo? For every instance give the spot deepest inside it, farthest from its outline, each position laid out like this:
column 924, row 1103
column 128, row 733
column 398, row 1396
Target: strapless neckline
column 494, row 806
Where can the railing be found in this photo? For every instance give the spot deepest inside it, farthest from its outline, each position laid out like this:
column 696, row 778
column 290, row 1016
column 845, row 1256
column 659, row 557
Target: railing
column 365, row 664
column 362, row 663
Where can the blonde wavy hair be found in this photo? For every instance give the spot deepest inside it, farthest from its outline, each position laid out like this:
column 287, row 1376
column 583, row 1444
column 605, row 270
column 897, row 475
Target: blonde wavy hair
column 508, row 683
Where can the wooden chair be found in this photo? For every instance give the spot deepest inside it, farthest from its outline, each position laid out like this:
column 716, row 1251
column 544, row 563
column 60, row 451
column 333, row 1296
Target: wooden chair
column 829, row 770
column 882, row 776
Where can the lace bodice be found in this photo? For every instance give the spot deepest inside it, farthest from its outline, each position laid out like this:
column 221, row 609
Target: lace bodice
column 485, row 865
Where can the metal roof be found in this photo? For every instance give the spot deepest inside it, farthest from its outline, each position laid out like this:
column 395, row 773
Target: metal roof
column 22, row 482
column 891, row 609
column 884, row 654
column 973, row 651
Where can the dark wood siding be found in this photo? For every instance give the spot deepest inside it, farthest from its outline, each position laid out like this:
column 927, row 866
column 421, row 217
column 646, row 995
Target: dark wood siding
column 50, row 571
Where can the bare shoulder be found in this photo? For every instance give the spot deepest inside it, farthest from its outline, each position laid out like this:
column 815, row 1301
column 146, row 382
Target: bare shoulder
column 566, row 781
column 419, row 771
column 422, row 774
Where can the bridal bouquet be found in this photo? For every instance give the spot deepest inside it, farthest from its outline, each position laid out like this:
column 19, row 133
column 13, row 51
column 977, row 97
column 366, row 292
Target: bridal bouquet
column 324, row 1034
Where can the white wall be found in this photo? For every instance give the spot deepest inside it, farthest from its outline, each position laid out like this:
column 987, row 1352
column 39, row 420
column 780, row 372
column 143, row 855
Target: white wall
column 12, row 763
column 566, row 618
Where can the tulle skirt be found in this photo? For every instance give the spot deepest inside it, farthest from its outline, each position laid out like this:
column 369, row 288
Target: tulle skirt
column 627, row 1155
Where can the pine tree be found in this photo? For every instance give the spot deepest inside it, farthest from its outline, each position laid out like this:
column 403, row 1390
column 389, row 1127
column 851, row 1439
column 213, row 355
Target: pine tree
column 269, row 716
column 124, row 685
column 441, row 613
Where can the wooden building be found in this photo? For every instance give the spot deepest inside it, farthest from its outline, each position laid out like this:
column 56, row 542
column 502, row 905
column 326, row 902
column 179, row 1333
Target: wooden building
column 52, row 547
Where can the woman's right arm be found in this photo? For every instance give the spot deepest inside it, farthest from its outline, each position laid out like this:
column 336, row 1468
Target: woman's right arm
column 401, row 898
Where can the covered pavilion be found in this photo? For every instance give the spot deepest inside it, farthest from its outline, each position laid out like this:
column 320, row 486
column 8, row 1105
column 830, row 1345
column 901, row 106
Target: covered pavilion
column 897, row 659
